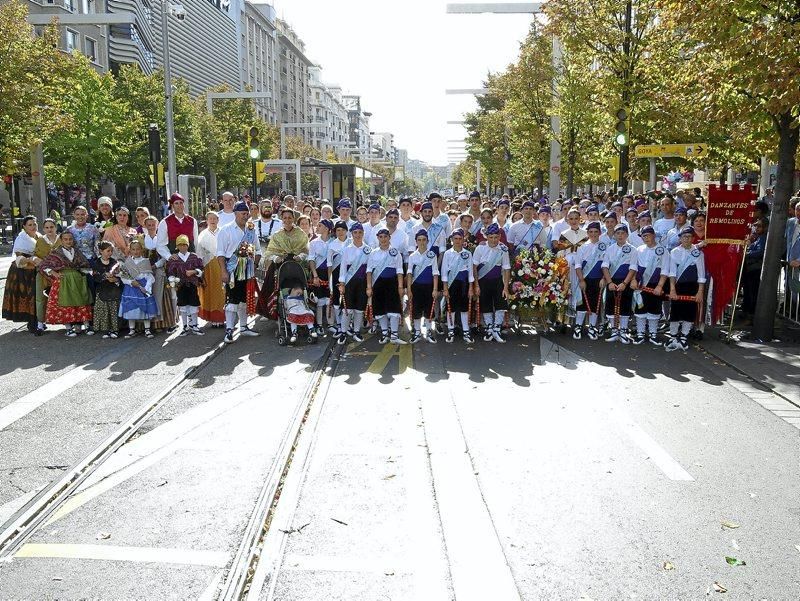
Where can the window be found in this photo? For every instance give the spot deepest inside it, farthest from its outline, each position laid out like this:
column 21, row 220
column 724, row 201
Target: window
column 69, row 5
column 88, row 6
column 72, row 40
column 91, row 49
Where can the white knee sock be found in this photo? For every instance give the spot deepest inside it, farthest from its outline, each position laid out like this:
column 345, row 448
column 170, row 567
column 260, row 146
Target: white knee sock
column 394, row 322
column 383, row 321
column 641, row 324
column 686, row 327
column 242, row 315
column 146, row 324
column 623, row 322
column 652, row 322
column 293, row 327
column 320, row 312
column 465, row 321
column 674, row 326
column 498, row 319
column 418, row 325
column 230, row 316
column 132, row 325
column 358, row 321
column 592, row 319
column 580, row 316
column 487, row 320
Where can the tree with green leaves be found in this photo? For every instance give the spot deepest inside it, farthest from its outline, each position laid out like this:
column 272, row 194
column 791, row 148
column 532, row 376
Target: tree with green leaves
column 98, row 132
column 32, row 85
column 743, row 55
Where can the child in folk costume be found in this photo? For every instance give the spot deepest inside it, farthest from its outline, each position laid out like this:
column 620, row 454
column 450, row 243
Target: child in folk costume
column 492, row 268
column 457, row 279
column 335, row 249
column 69, row 302
column 652, row 268
column 353, row 285
column 619, row 269
column 423, row 286
column 567, row 245
column 588, row 268
column 385, row 287
column 687, row 277
column 187, row 269
column 107, row 291
column 297, row 313
column 137, row 303
column 318, row 266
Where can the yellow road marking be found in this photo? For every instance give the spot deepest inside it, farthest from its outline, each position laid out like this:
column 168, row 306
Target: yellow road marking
column 382, row 360
column 215, row 559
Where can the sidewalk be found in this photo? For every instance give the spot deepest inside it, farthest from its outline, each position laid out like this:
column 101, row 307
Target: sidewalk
column 774, row 366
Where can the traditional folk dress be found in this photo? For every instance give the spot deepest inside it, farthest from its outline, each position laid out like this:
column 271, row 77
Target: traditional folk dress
column 69, row 300
column 297, row 313
column 212, row 294
column 19, row 297
column 491, row 262
column 422, row 267
column 44, row 247
column 281, row 244
column 589, row 260
column 457, row 275
column 121, row 238
column 335, row 249
column 353, row 274
column 572, row 240
column 187, row 285
column 162, row 293
column 107, row 296
column 652, row 265
column 619, row 260
column 238, row 247
column 168, row 231
column 384, row 267
column 137, row 303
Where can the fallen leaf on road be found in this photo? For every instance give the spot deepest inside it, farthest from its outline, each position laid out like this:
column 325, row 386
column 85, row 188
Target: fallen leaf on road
column 668, row 566
column 103, row 535
column 797, row 547
column 57, row 578
column 162, row 483
column 719, row 588
column 389, row 477
column 388, row 573
column 731, row 525
column 732, row 561
column 340, row 522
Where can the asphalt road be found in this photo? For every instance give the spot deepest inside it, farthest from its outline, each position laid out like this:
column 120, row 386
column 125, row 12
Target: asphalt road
column 540, row 469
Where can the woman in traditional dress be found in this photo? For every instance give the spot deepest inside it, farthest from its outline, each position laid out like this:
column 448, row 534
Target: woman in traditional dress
column 44, row 246
column 105, row 213
column 107, row 291
column 165, row 319
column 212, row 292
column 69, row 301
column 19, row 302
column 120, row 234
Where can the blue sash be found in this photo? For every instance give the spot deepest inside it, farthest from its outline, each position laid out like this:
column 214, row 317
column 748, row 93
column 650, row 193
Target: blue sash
column 232, row 262
column 620, row 260
column 591, row 261
column 356, row 265
column 536, row 224
column 690, row 260
column 487, row 267
column 377, row 271
column 434, row 231
column 459, row 265
column 419, row 268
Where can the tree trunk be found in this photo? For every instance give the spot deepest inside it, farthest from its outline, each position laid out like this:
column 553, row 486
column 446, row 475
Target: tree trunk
column 571, row 160
column 767, row 302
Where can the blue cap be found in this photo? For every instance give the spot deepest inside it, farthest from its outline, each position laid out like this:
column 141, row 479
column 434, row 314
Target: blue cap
column 405, row 199
column 528, row 204
column 631, row 210
column 616, row 204
column 610, row 215
column 474, row 194
column 433, row 195
column 644, row 214
column 594, row 225
column 457, row 232
column 340, row 225
column 374, row 207
column 392, row 212
column 687, row 229
column 504, row 201
column 426, row 205
column 344, row 204
column 648, row 229
column 681, row 210
column 241, row 206
column 383, row 230
column 421, row 232
column 546, row 209
column 356, row 226
column 621, row 228
column 592, row 208
column 327, row 223
column 492, row 229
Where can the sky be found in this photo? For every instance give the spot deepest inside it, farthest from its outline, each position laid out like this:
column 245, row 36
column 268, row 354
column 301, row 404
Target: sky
column 401, row 56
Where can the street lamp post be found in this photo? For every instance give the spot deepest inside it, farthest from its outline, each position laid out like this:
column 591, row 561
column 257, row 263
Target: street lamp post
column 172, row 177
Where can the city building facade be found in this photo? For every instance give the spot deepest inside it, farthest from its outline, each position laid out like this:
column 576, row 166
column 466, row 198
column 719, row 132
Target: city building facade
column 357, row 126
column 260, row 58
column 293, row 80
column 326, row 109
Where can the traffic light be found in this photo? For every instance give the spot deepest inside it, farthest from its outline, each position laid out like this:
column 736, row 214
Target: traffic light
column 161, row 180
column 261, row 174
column 622, row 128
column 613, row 172
column 253, row 143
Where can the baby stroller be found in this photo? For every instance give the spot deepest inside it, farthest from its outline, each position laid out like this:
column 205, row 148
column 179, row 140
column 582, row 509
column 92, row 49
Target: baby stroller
column 290, row 274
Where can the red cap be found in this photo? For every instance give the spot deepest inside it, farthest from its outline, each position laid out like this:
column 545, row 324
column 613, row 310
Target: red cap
column 175, row 197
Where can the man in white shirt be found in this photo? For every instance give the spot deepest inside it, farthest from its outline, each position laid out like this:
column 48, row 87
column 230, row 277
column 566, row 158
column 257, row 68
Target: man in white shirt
column 267, row 224
column 667, row 222
column 237, row 243
column 373, row 225
column 226, row 215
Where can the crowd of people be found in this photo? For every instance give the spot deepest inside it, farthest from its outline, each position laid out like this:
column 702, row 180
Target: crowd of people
column 445, row 262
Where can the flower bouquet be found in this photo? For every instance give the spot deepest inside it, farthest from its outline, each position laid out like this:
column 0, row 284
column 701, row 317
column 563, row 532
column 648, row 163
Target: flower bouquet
column 539, row 284
column 244, row 264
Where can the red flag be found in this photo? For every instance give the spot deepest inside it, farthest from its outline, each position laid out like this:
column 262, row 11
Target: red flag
column 730, row 212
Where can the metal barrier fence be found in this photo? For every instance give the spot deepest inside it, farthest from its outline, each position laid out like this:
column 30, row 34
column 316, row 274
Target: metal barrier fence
column 789, row 294
column 9, row 228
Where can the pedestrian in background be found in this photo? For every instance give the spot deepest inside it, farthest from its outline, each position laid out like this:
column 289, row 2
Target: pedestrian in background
column 19, row 297
column 754, row 259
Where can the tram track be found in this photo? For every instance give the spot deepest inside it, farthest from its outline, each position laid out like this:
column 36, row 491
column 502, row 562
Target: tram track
column 24, row 522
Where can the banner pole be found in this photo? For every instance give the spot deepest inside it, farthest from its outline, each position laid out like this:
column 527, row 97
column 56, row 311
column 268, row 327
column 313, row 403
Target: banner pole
column 738, row 286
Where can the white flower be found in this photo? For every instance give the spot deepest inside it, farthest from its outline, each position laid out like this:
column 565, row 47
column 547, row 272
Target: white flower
column 520, row 272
